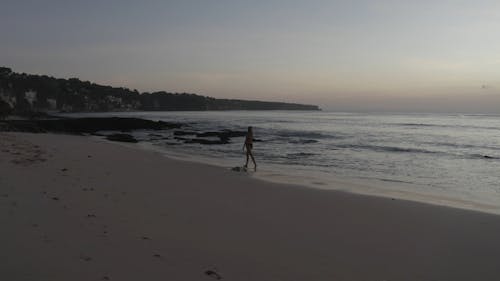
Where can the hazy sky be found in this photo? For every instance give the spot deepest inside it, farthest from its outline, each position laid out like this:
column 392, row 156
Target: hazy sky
column 342, row 55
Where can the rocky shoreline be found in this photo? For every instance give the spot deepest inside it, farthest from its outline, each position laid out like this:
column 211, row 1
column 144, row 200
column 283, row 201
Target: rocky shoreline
column 119, row 129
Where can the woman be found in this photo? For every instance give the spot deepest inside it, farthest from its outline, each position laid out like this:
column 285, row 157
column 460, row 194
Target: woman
column 249, row 145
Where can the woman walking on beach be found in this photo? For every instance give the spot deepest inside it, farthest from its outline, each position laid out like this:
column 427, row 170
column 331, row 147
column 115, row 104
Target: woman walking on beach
column 249, row 145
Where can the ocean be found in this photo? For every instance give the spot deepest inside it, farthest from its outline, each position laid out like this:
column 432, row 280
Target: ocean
column 444, row 159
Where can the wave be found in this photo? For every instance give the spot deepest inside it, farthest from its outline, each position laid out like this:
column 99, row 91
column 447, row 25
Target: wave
column 394, row 149
column 420, row 125
column 394, row 180
column 446, row 126
column 300, row 154
column 304, row 134
column 380, row 148
column 456, row 145
column 482, row 156
column 303, row 141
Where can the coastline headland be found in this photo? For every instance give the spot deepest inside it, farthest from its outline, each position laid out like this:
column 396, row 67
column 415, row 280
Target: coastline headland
column 29, row 94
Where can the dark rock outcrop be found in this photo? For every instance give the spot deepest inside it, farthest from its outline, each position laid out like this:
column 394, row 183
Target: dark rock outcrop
column 25, row 126
column 183, row 133
column 181, row 139
column 121, row 138
column 205, row 141
column 90, row 125
column 224, row 136
column 86, row 125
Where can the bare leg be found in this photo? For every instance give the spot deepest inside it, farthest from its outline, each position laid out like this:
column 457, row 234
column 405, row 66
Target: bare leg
column 246, row 164
column 253, row 160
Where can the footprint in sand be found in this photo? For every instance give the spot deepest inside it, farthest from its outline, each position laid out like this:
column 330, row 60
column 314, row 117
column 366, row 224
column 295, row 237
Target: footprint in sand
column 213, row 274
column 46, row 238
column 158, row 256
column 85, row 258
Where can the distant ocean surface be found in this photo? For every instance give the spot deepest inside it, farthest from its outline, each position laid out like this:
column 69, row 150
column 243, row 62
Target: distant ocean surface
column 442, row 159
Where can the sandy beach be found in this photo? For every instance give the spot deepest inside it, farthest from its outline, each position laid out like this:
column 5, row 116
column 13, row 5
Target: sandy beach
column 77, row 208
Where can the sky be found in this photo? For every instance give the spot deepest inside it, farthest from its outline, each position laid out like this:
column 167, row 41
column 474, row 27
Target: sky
column 403, row 56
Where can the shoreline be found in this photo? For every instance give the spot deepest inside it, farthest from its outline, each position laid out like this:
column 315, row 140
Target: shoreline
column 121, row 129
column 101, row 211
column 366, row 187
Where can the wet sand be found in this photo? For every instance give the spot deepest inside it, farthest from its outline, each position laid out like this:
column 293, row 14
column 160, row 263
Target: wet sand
column 74, row 208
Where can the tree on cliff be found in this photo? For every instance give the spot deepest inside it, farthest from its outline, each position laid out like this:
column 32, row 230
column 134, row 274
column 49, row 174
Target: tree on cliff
column 5, row 109
column 76, row 95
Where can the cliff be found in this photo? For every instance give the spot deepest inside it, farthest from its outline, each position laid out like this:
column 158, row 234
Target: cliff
column 22, row 93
